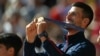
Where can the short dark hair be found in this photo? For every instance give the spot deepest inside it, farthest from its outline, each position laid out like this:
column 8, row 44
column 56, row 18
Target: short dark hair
column 87, row 10
column 11, row 40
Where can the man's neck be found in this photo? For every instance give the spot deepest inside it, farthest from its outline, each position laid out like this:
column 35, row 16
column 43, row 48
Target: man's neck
column 72, row 32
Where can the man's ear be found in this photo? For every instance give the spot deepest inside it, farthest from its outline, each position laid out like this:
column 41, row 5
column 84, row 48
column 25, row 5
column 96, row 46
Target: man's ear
column 11, row 51
column 85, row 22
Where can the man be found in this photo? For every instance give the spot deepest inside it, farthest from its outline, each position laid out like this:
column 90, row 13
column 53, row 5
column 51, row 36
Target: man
column 10, row 44
column 80, row 15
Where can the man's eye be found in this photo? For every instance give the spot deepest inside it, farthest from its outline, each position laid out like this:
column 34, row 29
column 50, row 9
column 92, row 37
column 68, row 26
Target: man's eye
column 73, row 13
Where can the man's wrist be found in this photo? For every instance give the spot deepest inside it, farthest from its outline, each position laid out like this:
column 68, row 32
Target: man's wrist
column 30, row 39
column 43, row 34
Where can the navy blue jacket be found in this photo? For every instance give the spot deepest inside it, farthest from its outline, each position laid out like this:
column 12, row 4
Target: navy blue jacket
column 77, row 46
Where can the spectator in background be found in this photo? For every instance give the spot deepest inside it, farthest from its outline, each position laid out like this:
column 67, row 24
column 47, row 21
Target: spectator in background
column 34, row 8
column 97, row 44
column 59, row 11
column 94, row 32
column 40, row 8
column 50, row 3
column 3, row 4
column 96, row 27
column 13, row 23
column 98, row 39
column 10, row 44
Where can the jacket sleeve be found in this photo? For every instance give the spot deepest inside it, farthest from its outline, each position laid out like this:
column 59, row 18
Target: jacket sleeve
column 29, row 49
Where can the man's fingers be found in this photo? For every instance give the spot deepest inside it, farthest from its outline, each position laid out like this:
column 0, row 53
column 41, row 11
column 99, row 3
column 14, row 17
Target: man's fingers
column 39, row 19
column 41, row 27
column 31, row 32
column 31, row 23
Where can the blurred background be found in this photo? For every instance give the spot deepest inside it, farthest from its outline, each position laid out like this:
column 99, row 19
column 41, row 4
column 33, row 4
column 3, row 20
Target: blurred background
column 16, row 14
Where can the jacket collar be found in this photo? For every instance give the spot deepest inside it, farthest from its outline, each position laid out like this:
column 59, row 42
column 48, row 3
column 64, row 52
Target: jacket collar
column 76, row 38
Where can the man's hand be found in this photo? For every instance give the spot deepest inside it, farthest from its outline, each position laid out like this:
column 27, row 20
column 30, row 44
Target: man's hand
column 31, row 32
column 41, row 26
column 34, row 28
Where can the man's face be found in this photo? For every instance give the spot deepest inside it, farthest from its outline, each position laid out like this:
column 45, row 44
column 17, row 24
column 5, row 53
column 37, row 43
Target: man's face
column 3, row 50
column 75, row 16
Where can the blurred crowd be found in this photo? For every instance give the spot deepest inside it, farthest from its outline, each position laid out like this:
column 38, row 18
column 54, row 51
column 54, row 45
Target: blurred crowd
column 16, row 14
